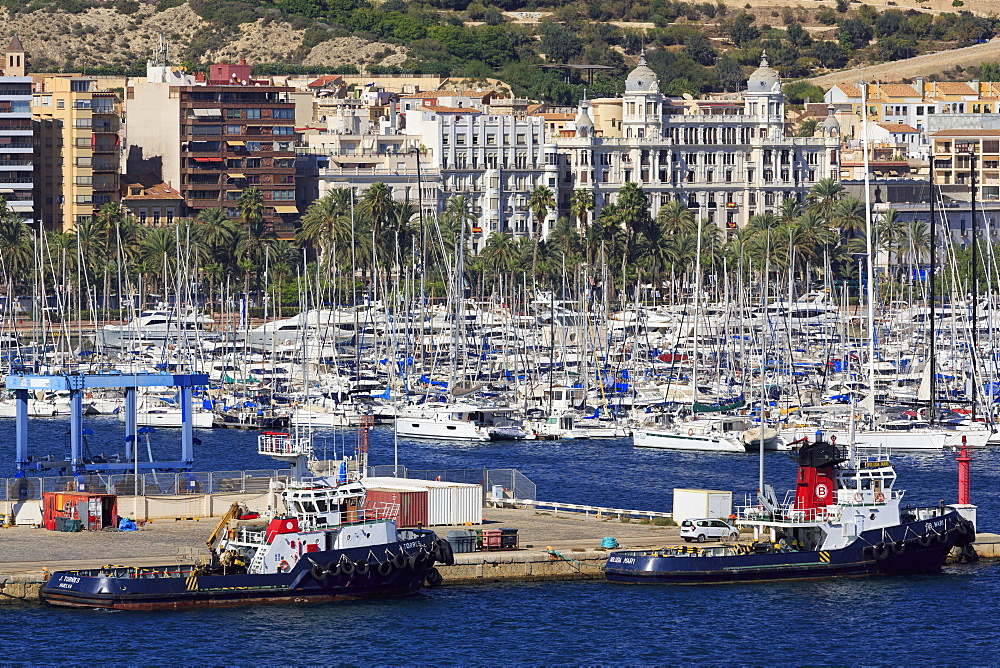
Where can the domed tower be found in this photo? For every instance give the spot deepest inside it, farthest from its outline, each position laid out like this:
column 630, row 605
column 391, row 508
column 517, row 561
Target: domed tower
column 584, row 124
column 764, row 96
column 643, row 104
column 830, row 127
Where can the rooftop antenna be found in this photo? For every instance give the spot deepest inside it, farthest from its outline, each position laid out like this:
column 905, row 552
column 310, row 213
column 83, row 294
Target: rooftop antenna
column 160, row 52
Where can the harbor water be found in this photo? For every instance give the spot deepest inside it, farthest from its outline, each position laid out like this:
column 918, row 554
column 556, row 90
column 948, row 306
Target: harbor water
column 870, row 621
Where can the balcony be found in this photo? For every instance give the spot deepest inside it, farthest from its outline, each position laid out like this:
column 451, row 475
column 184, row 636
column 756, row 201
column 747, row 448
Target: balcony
column 106, row 148
column 15, row 163
column 17, row 145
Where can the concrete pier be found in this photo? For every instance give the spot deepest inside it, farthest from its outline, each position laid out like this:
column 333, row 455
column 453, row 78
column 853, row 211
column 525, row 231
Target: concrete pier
column 552, row 547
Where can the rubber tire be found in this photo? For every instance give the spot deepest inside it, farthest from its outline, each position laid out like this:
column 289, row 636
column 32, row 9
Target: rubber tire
column 443, row 552
column 881, row 551
column 925, row 540
column 318, row 572
column 347, row 566
column 942, row 537
column 401, row 560
column 701, row 538
column 434, row 578
column 385, row 568
column 362, row 567
column 734, row 536
column 899, row 547
column 969, row 553
column 333, row 568
column 687, row 540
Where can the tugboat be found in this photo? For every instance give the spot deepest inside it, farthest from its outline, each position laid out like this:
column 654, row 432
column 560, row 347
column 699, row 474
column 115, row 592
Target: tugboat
column 326, row 546
column 845, row 520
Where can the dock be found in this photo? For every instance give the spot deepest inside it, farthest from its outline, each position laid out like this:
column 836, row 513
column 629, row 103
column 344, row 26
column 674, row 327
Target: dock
column 552, row 547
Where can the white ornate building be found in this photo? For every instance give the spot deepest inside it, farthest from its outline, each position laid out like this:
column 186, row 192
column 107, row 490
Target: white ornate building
column 726, row 159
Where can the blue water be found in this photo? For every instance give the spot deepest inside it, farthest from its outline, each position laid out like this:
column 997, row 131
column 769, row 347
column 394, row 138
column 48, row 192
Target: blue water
column 933, row 619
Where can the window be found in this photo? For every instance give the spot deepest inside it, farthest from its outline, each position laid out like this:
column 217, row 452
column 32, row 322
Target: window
column 84, row 199
column 84, row 180
column 82, row 220
column 521, row 139
column 253, row 163
column 135, row 191
column 460, row 140
column 156, row 217
column 234, row 113
column 283, row 114
column 283, row 130
column 234, row 129
column 84, row 161
column 79, row 86
column 283, row 194
column 60, row 104
column 253, row 113
column 491, row 140
column 81, row 104
column 253, row 146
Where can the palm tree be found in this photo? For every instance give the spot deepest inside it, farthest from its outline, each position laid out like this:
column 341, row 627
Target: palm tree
column 633, row 209
column 319, row 225
column 889, row 234
column 675, row 219
column 824, row 195
column 377, row 204
column 580, row 205
column 16, row 246
column 251, row 208
column 500, row 254
column 159, row 253
column 539, row 202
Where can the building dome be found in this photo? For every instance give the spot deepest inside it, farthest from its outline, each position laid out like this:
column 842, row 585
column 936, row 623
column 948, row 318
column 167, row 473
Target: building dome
column 584, row 126
column 642, row 79
column 831, row 126
column 764, row 79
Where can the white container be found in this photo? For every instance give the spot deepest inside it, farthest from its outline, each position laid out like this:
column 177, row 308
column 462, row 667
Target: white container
column 698, row 503
column 448, row 503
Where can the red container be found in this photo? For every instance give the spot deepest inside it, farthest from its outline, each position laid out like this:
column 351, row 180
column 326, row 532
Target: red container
column 409, row 507
column 95, row 511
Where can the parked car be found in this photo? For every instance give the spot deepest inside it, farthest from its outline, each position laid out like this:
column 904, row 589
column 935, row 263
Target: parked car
column 703, row 529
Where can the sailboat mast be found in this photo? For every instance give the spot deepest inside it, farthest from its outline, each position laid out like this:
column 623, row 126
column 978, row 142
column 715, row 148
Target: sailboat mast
column 870, row 264
column 697, row 297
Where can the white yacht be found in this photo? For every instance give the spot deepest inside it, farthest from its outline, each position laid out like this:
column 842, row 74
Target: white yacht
column 158, row 326
column 705, row 434
column 462, row 422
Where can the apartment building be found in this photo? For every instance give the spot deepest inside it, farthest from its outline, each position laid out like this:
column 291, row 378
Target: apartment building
column 964, row 156
column 16, row 145
column 77, row 152
column 212, row 140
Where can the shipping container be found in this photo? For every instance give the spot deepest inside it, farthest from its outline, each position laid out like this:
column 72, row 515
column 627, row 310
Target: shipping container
column 448, row 503
column 93, row 511
column 699, row 503
column 410, row 504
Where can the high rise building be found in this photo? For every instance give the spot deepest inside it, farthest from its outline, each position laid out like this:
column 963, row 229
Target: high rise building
column 212, row 140
column 77, row 151
column 16, row 161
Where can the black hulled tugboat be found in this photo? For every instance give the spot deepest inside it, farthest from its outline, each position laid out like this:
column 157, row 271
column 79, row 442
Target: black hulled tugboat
column 327, row 545
column 846, row 519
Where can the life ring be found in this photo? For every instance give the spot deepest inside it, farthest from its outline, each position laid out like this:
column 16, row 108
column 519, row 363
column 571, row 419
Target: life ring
column 362, row 567
column 879, row 497
column 881, row 551
column 690, row 432
column 925, row 540
column 89, row 395
column 283, row 566
column 858, row 496
column 899, row 547
column 385, row 568
column 318, row 572
column 287, row 342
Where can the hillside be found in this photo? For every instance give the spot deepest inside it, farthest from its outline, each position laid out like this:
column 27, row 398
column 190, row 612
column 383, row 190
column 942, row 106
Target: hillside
column 694, row 47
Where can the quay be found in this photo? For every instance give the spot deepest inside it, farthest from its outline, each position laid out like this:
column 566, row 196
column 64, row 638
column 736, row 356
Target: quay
column 552, row 547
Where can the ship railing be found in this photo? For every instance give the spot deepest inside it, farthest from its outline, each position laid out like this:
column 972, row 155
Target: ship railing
column 281, row 443
column 783, row 514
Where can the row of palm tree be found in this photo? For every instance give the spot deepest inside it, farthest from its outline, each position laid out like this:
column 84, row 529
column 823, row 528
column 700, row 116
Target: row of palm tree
column 371, row 235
